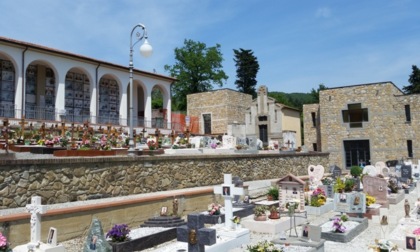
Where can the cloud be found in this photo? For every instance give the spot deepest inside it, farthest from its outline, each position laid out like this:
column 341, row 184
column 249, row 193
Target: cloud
column 323, row 12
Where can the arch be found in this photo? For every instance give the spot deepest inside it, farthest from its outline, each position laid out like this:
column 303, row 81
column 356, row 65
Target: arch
column 139, row 105
column 160, row 115
column 109, row 97
column 78, row 93
column 40, row 90
column 8, row 85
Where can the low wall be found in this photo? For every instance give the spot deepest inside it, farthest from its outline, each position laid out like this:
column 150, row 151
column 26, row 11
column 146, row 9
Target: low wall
column 79, row 179
column 60, row 180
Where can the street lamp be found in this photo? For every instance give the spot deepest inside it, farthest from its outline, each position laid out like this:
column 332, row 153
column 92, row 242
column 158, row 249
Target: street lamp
column 146, row 51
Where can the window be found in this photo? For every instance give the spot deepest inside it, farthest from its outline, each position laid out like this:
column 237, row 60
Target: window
column 407, row 113
column 410, row 148
column 262, row 118
column 313, row 119
column 355, row 115
column 315, row 146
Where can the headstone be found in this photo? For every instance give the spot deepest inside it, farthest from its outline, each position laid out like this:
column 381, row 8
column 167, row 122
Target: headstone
column 354, row 202
column 195, row 234
column 377, row 187
column 229, row 142
column 415, row 171
column 370, row 170
column 335, row 171
column 228, row 190
column 96, row 240
column 379, row 165
column 195, row 142
column 241, row 141
column 385, row 172
column 406, row 172
column 252, row 143
column 291, row 189
column 316, row 173
column 205, row 141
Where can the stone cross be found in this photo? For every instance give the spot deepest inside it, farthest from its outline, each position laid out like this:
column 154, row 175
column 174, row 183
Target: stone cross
column 42, row 130
column 195, row 234
column 63, row 129
column 36, row 209
column 228, row 190
column 172, row 136
column 157, row 135
column 143, row 136
column 187, row 134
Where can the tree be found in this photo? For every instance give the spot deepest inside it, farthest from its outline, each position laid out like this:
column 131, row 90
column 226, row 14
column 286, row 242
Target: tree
column 246, row 71
column 197, row 69
column 414, row 80
column 315, row 93
column 157, row 98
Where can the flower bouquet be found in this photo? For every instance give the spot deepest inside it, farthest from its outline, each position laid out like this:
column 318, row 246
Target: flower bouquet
column 384, row 245
column 119, row 233
column 264, row 246
column 214, row 209
column 236, row 219
column 338, row 226
column 318, row 197
column 4, row 244
column 152, row 145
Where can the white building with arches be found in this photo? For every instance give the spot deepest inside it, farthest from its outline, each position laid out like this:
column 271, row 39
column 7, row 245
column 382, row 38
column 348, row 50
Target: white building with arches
column 42, row 84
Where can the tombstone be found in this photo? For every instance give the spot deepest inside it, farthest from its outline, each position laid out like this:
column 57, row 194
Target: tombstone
column 291, row 188
column 195, row 234
column 195, row 142
column 228, row 190
column 36, row 209
column 415, row 171
column 335, row 171
column 377, row 187
column 241, row 141
column 205, row 141
column 370, row 170
column 252, row 143
column 229, row 142
column 379, row 165
column 316, row 173
column 391, row 163
column 96, row 239
column 354, row 202
column 406, row 172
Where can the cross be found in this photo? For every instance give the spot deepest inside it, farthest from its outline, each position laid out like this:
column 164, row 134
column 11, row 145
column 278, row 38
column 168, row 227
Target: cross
column 31, row 128
column 108, row 131
column 288, row 144
column 195, row 234
column 36, row 209
column 42, row 129
column 172, row 136
column 22, row 127
column 134, row 137
column 187, row 134
column 157, row 135
column 73, row 143
column 228, row 190
column 63, row 129
column 144, row 135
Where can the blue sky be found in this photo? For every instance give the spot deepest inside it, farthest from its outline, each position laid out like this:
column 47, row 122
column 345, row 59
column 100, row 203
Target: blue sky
column 298, row 44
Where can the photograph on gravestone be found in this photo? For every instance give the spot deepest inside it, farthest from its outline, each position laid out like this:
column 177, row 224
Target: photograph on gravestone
column 195, row 234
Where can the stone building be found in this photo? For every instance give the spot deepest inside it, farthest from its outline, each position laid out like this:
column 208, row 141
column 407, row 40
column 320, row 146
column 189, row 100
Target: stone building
column 43, row 84
column 227, row 111
column 364, row 124
column 217, row 109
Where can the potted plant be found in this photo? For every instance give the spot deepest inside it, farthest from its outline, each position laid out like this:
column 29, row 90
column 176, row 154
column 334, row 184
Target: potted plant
column 119, row 233
column 273, row 193
column 339, row 186
column 259, row 213
column 349, row 185
column 274, row 213
column 264, row 246
column 356, row 171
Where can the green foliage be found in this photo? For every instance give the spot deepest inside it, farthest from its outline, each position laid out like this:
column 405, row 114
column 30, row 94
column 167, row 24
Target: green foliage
column 263, row 246
column 349, row 185
column 315, row 93
column 274, row 192
column 344, row 217
column 157, row 98
column 197, row 69
column 339, row 185
column 356, row 171
column 260, row 210
column 414, row 80
column 246, row 71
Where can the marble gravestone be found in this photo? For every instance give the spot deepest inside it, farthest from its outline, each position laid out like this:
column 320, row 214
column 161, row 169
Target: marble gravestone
column 379, row 166
column 370, row 170
column 291, row 189
column 415, row 171
column 195, row 234
column 316, row 173
column 252, row 143
column 335, row 171
column 354, row 202
column 377, row 187
column 229, row 142
column 406, row 172
column 96, row 240
column 228, row 190
column 35, row 244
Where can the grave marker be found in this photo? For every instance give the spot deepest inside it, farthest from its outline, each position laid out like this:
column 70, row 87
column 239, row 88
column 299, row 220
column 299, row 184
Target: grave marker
column 336, row 172
column 354, row 202
column 370, row 170
column 36, row 209
column 406, row 172
column 195, row 234
column 316, row 173
column 228, row 190
column 377, row 187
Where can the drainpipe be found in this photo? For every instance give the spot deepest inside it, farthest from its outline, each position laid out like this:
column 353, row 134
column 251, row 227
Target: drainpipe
column 23, row 82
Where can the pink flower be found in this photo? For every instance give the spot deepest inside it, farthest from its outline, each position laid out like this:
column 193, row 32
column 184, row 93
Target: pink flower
column 3, row 240
column 416, row 231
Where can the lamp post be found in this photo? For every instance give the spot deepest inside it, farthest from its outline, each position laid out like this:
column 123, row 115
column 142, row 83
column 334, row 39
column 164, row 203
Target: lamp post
column 146, row 51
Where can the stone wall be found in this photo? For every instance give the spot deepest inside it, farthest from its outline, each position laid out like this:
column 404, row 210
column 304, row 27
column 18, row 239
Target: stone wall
column 224, row 105
column 68, row 179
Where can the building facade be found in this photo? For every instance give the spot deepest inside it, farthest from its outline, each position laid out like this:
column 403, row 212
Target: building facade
column 45, row 84
column 217, row 109
column 227, row 111
column 364, row 124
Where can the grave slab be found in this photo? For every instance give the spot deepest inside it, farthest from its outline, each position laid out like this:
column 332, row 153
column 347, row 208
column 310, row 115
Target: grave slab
column 271, row 226
column 183, row 151
column 347, row 236
column 294, row 241
column 395, row 198
column 218, row 151
column 327, row 207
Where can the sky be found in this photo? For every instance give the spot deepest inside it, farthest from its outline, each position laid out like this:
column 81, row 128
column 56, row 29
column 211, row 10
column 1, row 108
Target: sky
column 298, row 44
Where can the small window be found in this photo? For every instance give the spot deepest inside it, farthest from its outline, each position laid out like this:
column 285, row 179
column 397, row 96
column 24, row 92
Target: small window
column 355, row 115
column 315, row 146
column 313, row 119
column 407, row 113
column 410, row 148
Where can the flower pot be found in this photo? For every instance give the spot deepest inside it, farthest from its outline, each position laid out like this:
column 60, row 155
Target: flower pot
column 260, row 218
column 274, row 215
column 270, row 198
